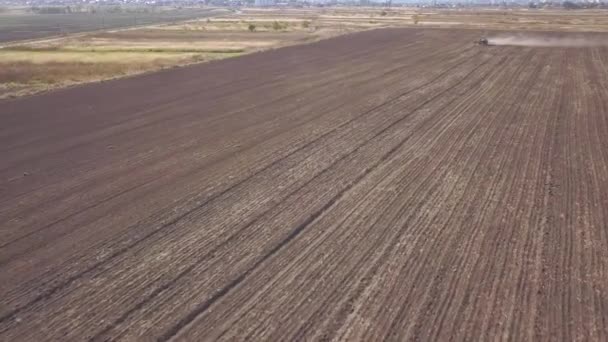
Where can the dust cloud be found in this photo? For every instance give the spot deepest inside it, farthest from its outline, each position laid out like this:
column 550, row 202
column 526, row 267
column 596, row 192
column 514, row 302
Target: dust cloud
column 545, row 41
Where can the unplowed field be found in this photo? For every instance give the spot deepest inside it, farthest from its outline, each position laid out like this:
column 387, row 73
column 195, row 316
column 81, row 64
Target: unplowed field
column 15, row 27
column 397, row 184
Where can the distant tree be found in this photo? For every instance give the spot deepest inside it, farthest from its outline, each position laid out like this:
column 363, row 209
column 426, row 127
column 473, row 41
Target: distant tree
column 570, row 5
column 277, row 26
column 50, row 10
column 416, row 19
column 115, row 9
column 251, row 28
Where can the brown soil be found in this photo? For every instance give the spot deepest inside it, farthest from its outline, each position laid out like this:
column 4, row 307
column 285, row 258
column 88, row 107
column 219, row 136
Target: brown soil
column 397, row 184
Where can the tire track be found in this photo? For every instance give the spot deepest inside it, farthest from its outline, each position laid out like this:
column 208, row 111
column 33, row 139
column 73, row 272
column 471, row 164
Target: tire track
column 172, row 222
column 136, row 166
column 470, row 72
column 423, row 189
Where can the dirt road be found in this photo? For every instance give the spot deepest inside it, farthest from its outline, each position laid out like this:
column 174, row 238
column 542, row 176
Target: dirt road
column 396, row 184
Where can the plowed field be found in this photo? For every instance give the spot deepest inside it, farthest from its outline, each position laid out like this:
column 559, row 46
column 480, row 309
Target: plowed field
column 397, row 184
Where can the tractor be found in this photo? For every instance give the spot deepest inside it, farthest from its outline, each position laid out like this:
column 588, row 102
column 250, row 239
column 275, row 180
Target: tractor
column 483, row 41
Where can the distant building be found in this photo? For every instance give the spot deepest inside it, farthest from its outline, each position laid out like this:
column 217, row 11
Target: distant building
column 265, row 3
